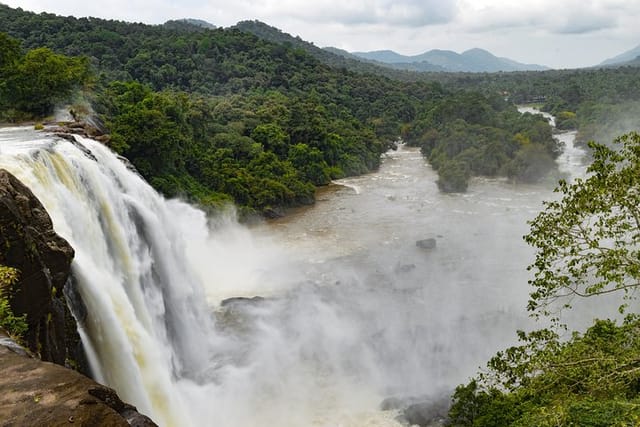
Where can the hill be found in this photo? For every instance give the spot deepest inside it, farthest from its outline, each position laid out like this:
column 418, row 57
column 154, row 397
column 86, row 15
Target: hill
column 473, row 60
column 331, row 56
column 189, row 24
column 627, row 56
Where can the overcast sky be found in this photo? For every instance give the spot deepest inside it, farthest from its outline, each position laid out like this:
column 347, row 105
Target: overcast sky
column 556, row 33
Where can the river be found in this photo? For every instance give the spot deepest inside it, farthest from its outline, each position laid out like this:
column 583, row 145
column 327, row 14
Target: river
column 350, row 310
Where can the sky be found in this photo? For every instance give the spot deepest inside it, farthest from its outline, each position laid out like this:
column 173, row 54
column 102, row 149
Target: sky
column 555, row 33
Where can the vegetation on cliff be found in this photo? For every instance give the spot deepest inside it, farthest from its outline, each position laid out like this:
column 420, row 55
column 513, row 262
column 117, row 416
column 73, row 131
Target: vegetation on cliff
column 601, row 103
column 16, row 326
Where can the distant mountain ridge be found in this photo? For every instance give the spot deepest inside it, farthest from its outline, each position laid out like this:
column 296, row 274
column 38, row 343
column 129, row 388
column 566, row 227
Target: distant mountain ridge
column 630, row 55
column 473, row 60
column 330, row 56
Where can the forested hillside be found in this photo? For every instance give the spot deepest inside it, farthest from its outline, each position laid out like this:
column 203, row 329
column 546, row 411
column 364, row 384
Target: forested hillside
column 601, row 103
column 220, row 114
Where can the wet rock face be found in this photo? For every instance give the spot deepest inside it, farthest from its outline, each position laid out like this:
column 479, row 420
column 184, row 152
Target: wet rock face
column 420, row 411
column 37, row 393
column 29, row 244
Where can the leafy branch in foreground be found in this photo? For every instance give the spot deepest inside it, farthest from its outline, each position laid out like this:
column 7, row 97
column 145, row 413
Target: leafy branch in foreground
column 590, row 380
column 588, row 242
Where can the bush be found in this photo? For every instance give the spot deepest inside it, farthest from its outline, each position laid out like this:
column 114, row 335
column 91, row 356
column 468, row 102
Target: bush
column 16, row 326
column 453, row 176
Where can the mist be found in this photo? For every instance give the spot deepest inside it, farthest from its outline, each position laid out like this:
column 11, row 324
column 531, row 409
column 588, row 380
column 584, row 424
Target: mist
column 312, row 319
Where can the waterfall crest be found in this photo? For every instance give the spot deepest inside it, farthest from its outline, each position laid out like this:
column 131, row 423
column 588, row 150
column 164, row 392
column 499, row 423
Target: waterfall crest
column 148, row 322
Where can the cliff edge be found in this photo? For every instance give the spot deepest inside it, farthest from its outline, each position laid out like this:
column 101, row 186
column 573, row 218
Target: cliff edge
column 34, row 392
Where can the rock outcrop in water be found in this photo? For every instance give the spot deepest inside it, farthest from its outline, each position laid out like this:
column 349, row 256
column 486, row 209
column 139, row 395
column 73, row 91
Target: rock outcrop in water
column 429, row 243
column 43, row 259
column 422, row 412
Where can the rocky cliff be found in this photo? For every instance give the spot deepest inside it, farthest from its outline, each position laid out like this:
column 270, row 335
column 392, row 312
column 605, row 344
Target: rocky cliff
column 35, row 393
column 43, row 259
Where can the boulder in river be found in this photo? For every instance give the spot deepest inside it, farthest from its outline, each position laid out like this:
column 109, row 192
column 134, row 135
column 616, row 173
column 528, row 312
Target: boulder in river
column 422, row 412
column 429, row 243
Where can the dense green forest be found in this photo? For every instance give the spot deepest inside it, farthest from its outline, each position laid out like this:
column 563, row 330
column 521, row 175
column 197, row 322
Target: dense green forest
column 220, row 114
column 463, row 132
column 601, row 103
column 32, row 83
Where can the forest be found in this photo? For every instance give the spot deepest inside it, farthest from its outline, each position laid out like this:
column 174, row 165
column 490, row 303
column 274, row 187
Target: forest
column 215, row 115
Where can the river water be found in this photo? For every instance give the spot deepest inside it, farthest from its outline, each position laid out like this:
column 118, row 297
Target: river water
column 350, row 312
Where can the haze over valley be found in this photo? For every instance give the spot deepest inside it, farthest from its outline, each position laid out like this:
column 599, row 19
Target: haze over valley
column 206, row 219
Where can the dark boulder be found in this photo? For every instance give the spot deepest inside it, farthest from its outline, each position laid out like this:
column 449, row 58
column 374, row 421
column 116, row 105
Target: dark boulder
column 429, row 243
column 427, row 414
column 404, row 268
column 422, row 412
column 242, row 301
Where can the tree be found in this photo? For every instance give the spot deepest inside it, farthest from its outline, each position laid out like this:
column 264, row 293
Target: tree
column 310, row 163
column 9, row 55
column 590, row 380
column 588, row 242
column 36, row 82
column 9, row 52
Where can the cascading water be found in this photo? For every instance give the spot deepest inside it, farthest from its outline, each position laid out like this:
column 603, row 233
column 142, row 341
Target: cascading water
column 146, row 324
column 353, row 311
column 141, row 265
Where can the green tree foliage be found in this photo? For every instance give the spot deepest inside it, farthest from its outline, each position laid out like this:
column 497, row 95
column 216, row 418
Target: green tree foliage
column 9, row 54
column 247, row 96
column 203, row 148
column 587, row 242
column 35, row 82
column 453, row 176
column 566, row 120
column 590, row 380
column 586, row 245
column 468, row 134
column 16, row 326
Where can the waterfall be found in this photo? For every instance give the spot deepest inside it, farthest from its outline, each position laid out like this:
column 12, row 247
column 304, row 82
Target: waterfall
column 147, row 322
column 151, row 275
column 353, row 312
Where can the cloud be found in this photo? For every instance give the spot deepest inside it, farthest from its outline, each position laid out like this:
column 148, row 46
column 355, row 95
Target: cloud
column 406, row 13
column 579, row 23
column 559, row 17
